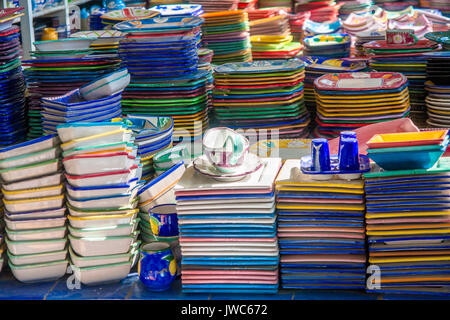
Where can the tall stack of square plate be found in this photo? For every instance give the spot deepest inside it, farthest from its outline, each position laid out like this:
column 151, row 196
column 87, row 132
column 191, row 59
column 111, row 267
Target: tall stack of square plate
column 161, row 55
column 320, row 231
column 248, row 96
column 318, row 66
column 271, row 39
column 227, row 34
column 96, row 101
column 346, row 101
column 228, row 231
column 50, row 74
column 102, row 173
column 408, row 229
column 410, row 61
column 13, row 124
column 333, row 45
column 34, row 209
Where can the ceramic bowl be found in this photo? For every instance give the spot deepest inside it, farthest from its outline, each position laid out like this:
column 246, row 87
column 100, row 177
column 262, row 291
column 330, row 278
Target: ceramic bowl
column 102, row 274
column 102, row 220
column 33, row 193
column 89, row 164
column 106, row 178
column 119, row 135
column 36, row 234
column 52, row 213
column 161, row 184
column 225, row 148
column 37, row 257
column 95, row 212
column 102, row 191
column 106, row 85
column 107, row 148
column 74, row 131
column 32, row 224
column 29, row 158
column 16, row 206
column 93, row 261
column 165, row 198
column 30, row 171
column 41, row 182
column 101, row 246
column 39, row 272
column 64, row 44
column 35, row 246
column 35, row 145
column 113, row 202
column 110, row 231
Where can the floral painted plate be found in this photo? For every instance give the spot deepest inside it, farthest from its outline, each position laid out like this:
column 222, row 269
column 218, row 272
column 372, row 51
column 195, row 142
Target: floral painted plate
column 129, row 14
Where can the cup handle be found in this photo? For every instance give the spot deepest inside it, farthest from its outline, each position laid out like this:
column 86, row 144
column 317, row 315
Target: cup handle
column 238, row 148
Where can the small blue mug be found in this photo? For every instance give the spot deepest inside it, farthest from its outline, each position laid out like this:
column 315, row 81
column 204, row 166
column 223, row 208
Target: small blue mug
column 157, row 267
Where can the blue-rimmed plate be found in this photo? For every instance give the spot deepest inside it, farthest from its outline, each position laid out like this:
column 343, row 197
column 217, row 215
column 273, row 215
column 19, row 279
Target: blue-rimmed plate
column 160, row 23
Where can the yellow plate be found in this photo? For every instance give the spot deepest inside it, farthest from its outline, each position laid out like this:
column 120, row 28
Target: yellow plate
column 352, row 185
column 328, row 207
column 404, row 95
column 339, row 114
column 407, row 214
column 33, row 200
column 32, row 190
column 406, row 232
column 393, row 260
column 271, row 39
column 341, row 97
column 374, row 105
column 408, row 136
column 259, row 103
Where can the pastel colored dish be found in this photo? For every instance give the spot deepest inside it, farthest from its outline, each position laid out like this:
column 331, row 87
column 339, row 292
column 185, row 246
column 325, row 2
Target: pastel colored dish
column 73, row 131
column 402, row 139
column 102, row 220
column 51, row 213
column 108, row 231
column 34, row 258
column 24, row 205
column 35, row 145
column 119, row 135
column 33, row 224
column 101, row 246
column 404, row 158
column 33, row 193
column 101, row 191
column 82, row 262
column 106, row 178
column 30, row 171
column 37, row 234
column 35, row 246
column 106, row 86
column 102, row 274
column 39, row 272
column 30, row 158
column 89, row 164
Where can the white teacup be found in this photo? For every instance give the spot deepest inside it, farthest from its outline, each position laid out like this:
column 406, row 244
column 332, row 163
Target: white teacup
column 225, row 148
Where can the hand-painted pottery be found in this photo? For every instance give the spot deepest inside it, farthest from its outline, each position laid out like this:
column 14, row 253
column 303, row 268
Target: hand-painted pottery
column 157, row 266
column 164, row 220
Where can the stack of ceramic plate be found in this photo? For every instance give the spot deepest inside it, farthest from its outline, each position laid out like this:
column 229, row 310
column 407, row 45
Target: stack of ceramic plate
column 110, row 18
column 107, row 43
column 102, row 174
column 356, row 24
column 296, row 22
column 364, row 37
column 34, row 209
column 320, row 231
column 346, row 101
column 442, row 37
column 311, row 28
column 178, row 10
column 152, row 136
column 55, row 77
column 257, row 14
column 410, row 61
column 261, row 97
column 216, row 6
column 274, row 4
column 271, row 39
column 13, row 125
column 320, row 11
column 360, row 7
column 407, row 228
column 228, row 229
column 226, row 33
column 316, row 67
column 334, row 45
column 161, row 55
column 96, row 101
